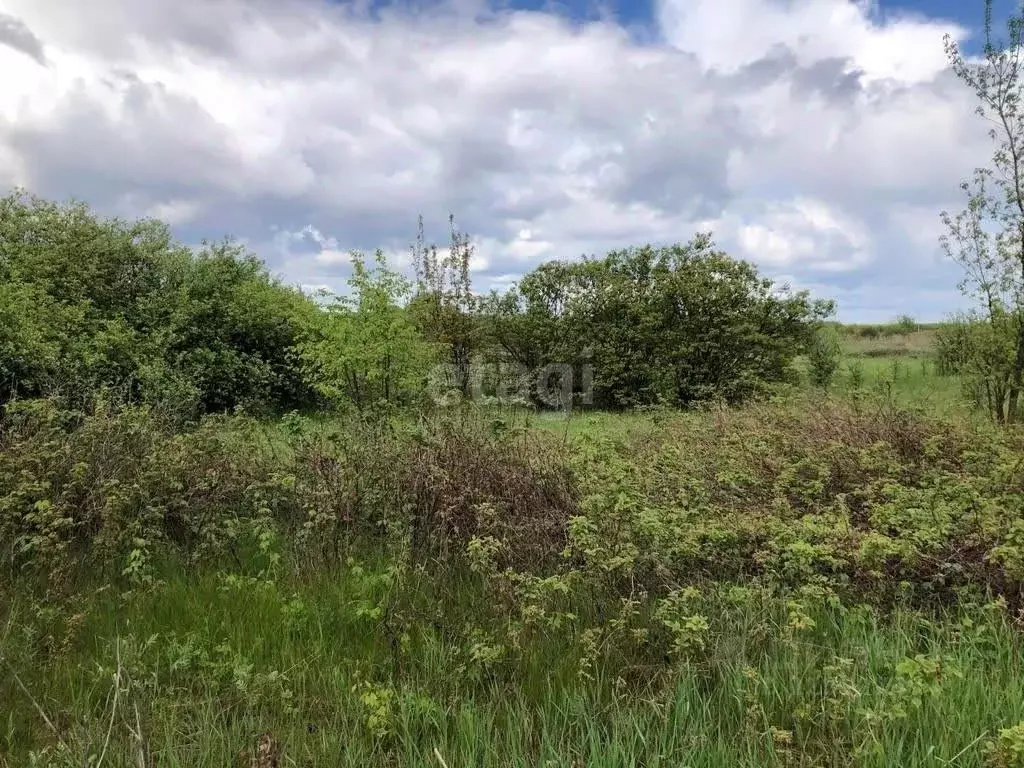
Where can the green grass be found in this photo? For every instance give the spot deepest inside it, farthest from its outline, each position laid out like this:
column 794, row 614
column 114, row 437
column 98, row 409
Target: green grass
column 916, row 344
column 909, row 380
column 210, row 666
column 894, row 366
column 898, row 367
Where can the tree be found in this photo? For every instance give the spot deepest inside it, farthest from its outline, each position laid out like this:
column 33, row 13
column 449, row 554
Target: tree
column 232, row 331
column 527, row 329
column 82, row 296
column 906, row 324
column 367, row 351
column 824, row 354
column 674, row 325
column 89, row 303
column 730, row 331
column 29, row 346
column 444, row 305
column 987, row 237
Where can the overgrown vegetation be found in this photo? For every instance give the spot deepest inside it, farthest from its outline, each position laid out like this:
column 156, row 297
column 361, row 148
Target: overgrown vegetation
column 824, row 355
column 671, row 326
column 87, row 303
column 786, row 583
column 643, row 509
column 94, row 304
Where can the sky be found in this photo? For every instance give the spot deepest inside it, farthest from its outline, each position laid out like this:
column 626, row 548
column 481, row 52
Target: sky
column 819, row 139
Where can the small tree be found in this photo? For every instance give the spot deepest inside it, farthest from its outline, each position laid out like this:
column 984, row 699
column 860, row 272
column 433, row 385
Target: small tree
column 366, row 350
column 90, row 303
column 444, row 306
column 906, row 324
column 824, row 353
column 680, row 324
column 987, row 237
column 979, row 349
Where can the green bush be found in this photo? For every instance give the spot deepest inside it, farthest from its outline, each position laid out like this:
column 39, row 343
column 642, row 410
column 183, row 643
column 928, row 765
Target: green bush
column 367, row 350
column 982, row 353
column 675, row 325
column 824, row 354
column 89, row 303
column 372, row 574
column 113, row 487
column 906, row 324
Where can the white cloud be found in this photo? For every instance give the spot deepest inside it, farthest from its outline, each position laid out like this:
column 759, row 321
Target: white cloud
column 174, row 212
column 812, row 135
column 729, row 34
column 802, row 233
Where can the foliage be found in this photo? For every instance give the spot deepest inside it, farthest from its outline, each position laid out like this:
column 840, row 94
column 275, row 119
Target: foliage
column 1007, row 751
column 802, row 573
column 906, row 324
column 987, row 237
column 209, row 330
column 979, row 350
column 202, row 665
column 859, row 501
column 797, row 580
column 445, row 307
column 232, row 331
column 824, row 355
column 789, row 583
column 367, row 350
column 89, row 303
column 120, row 488
column 674, row 325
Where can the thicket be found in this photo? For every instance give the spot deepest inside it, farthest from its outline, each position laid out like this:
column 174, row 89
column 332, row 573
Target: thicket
column 673, row 326
column 469, row 556
column 388, row 575
column 90, row 304
column 871, row 503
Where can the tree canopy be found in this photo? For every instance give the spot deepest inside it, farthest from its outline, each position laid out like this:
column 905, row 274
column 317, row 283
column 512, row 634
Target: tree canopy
column 90, row 304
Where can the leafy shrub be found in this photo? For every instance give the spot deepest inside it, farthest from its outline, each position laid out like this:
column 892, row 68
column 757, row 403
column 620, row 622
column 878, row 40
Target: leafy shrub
column 814, row 494
column 858, row 500
column 906, row 324
column 982, row 353
column 367, row 351
column 467, row 476
column 1007, row 750
column 856, row 371
column 89, row 303
column 109, row 487
column 676, row 325
column 824, row 354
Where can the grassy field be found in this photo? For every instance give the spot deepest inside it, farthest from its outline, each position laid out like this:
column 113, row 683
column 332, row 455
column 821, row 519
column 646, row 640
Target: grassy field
column 900, row 366
column 820, row 580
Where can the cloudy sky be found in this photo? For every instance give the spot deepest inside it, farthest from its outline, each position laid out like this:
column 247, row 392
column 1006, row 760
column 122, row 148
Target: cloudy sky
column 818, row 138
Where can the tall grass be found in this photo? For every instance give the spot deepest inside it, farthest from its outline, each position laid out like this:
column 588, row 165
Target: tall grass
column 206, row 665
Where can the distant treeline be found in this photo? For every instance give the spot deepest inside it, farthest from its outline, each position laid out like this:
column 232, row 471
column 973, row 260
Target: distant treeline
column 899, row 327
